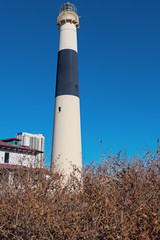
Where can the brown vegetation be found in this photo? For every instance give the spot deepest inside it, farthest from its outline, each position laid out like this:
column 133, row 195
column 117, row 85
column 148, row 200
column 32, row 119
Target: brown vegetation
column 119, row 199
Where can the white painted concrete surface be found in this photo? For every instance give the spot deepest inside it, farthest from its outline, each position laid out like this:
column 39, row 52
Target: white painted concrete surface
column 68, row 36
column 19, row 159
column 67, row 135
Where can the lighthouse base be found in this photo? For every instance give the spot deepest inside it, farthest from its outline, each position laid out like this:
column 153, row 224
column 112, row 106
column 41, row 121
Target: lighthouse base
column 66, row 147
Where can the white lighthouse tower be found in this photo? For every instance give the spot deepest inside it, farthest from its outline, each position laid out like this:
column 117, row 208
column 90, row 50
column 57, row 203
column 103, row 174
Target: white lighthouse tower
column 66, row 144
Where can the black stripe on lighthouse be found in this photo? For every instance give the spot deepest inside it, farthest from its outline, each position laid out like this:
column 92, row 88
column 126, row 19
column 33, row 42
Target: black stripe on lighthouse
column 67, row 73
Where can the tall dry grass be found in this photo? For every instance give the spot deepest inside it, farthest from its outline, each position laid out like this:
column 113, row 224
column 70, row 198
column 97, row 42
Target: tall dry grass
column 119, row 199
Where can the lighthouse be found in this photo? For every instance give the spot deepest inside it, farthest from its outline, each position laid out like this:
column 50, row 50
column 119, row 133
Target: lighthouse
column 66, row 142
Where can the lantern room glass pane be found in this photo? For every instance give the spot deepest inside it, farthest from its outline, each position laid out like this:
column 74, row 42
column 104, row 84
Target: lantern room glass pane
column 68, row 7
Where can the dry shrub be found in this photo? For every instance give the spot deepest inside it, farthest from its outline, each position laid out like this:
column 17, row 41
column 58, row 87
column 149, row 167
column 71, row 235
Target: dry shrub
column 119, row 199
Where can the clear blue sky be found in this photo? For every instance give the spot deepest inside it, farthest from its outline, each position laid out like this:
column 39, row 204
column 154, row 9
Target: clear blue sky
column 119, row 71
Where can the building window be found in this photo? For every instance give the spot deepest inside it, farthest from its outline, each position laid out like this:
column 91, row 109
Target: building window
column 42, row 144
column 6, row 158
column 59, row 109
column 77, row 88
column 31, row 142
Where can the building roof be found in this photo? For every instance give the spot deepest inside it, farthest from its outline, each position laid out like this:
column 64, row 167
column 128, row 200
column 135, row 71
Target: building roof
column 11, row 166
column 31, row 134
column 10, row 139
column 21, row 149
